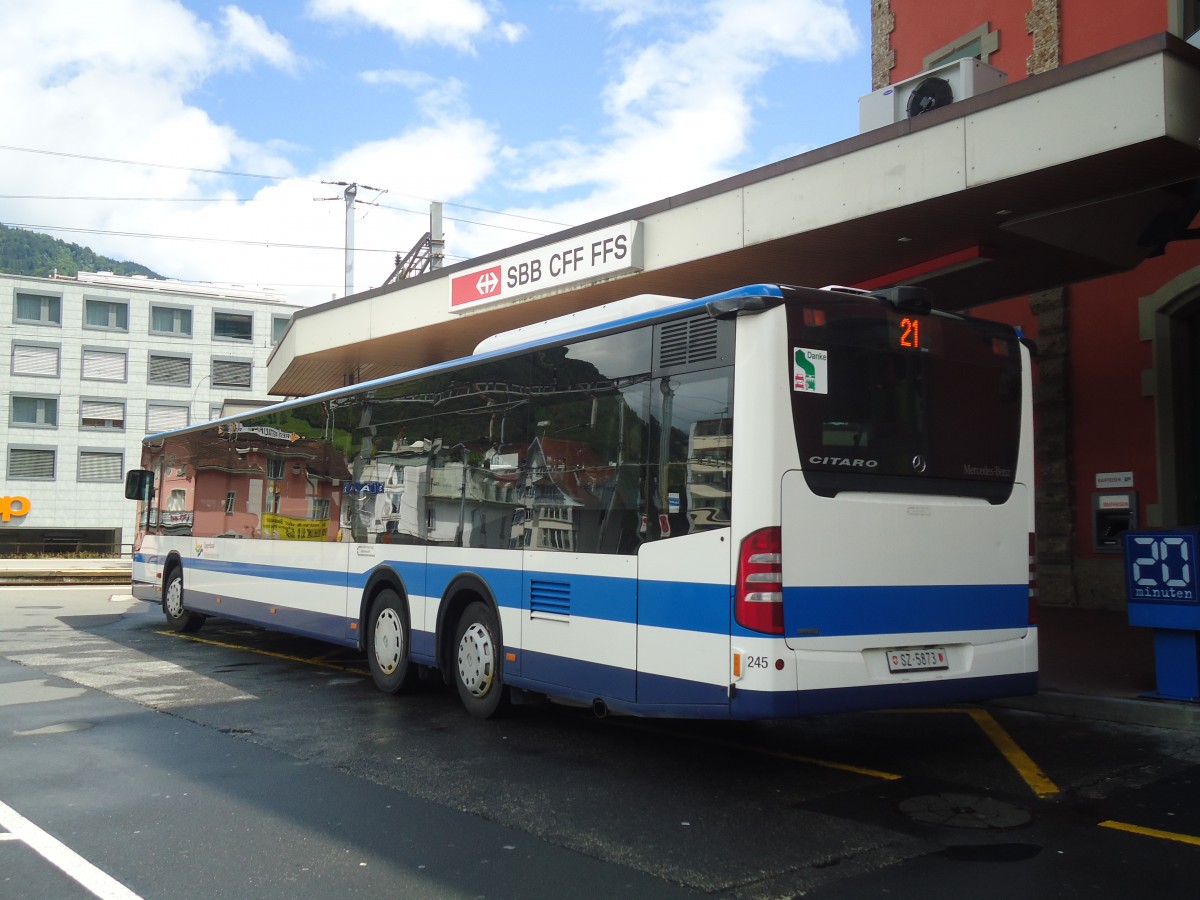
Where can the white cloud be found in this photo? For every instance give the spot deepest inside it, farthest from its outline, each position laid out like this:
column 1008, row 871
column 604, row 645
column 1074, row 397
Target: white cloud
column 681, row 108
column 125, row 80
column 89, row 70
column 249, row 36
column 453, row 23
column 436, row 97
column 627, row 13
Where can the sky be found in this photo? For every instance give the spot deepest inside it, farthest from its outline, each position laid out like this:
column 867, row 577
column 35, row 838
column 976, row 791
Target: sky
column 200, row 138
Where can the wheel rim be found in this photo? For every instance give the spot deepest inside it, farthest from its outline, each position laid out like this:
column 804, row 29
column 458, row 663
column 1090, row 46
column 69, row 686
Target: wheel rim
column 389, row 641
column 174, row 598
column 476, row 660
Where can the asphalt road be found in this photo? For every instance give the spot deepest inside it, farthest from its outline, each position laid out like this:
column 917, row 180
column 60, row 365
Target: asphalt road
column 238, row 763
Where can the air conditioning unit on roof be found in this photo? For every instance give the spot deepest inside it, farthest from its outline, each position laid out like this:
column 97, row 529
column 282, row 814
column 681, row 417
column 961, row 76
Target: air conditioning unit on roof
column 932, row 89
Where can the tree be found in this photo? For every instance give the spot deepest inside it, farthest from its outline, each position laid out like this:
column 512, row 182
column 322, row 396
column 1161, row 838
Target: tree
column 30, row 253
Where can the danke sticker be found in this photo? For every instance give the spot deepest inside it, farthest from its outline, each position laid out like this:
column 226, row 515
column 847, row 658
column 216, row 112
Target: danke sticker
column 810, row 371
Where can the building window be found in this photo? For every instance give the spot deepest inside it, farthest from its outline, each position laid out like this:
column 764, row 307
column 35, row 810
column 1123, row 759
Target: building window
column 176, row 370
column 110, row 315
column 35, row 359
column 231, row 373
column 233, row 327
column 101, row 465
column 171, row 320
column 102, row 365
column 105, row 414
column 31, row 462
column 39, row 412
column 1183, row 17
column 318, row 508
column 275, row 467
column 978, row 43
column 38, row 309
column 162, row 417
column 230, row 501
column 279, row 325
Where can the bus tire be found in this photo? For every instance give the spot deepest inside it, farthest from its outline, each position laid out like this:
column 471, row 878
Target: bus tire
column 178, row 619
column 478, row 661
column 388, row 642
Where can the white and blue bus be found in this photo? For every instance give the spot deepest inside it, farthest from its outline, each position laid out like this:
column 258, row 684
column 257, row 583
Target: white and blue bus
column 769, row 502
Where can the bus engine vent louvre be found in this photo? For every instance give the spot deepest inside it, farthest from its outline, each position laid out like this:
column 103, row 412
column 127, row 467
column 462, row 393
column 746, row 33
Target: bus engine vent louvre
column 687, row 342
column 549, row 599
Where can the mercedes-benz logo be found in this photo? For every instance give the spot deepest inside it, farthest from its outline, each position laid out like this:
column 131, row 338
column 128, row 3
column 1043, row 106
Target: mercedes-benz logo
column 919, row 464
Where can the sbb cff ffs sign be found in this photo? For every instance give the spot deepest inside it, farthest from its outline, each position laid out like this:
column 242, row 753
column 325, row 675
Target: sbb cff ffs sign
column 611, row 251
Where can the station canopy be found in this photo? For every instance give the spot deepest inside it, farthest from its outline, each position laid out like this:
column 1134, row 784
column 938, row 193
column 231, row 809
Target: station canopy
column 1057, row 178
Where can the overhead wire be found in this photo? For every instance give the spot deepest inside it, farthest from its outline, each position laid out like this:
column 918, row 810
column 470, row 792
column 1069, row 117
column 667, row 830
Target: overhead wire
column 265, row 177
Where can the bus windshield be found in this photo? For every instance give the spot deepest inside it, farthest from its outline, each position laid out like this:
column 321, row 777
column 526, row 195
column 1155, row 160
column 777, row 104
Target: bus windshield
column 895, row 401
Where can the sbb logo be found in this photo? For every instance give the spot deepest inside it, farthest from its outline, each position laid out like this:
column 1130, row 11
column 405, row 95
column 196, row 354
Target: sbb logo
column 13, row 506
column 476, row 286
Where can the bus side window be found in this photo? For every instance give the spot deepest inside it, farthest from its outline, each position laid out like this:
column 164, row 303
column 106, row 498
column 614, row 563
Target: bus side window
column 692, row 453
column 582, row 482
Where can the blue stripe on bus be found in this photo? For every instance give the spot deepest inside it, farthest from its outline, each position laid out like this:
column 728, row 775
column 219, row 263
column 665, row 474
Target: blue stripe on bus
column 819, row 611
column 679, row 692
column 575, row 678
column 505, row 584
column 705, row 608
column 306, row 623
column 834, row 611
column 663, row 696
column 261, row 570
column 408, row 571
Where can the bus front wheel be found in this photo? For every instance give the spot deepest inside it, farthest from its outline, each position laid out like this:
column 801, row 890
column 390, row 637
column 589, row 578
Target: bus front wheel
column 478, row 665
column 387, row 642
column 178, row 618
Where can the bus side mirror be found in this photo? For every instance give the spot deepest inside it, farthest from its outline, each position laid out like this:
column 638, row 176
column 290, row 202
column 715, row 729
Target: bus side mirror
column 139, row 485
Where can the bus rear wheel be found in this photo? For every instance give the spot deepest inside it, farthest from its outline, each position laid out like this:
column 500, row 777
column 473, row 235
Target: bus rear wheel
column 178, row 618
column 478, row 664
column 388, row 635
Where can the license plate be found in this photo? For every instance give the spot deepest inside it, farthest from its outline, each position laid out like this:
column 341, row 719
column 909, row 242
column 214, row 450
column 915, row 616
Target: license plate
column 921, row 659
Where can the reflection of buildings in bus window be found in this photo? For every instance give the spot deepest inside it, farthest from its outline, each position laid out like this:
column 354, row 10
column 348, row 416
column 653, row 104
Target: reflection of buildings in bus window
column 568, row 490
column 709, row 468
column 175, row 515
column 389, row 501
column 424, row 492
column 472, row 504
column 226, row 494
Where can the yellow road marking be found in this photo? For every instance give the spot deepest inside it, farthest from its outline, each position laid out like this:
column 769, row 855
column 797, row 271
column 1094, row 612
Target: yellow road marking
column 779, row 754
column 830, row 764
column 1037, row 780
column 1152, row 832
column 270, row 653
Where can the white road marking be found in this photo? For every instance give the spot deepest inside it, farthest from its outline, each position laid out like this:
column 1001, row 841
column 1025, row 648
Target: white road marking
column 96, row 881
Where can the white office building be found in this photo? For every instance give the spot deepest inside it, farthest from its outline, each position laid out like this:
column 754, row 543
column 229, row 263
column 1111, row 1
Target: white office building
column 93, row 364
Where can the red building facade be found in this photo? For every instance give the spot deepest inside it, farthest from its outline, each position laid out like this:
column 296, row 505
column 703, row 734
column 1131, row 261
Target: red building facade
column 1118, row 373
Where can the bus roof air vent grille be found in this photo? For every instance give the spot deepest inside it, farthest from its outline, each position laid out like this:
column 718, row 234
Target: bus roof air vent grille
column 694, row 342
column 688, row 341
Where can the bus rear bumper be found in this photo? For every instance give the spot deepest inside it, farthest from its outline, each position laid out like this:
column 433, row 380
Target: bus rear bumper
column 787, row 704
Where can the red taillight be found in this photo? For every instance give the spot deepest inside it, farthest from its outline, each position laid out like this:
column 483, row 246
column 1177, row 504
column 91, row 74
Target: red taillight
column 758, row 604
column 1032, row 578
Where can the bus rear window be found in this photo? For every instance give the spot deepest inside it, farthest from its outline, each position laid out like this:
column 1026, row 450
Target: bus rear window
column 893, row 401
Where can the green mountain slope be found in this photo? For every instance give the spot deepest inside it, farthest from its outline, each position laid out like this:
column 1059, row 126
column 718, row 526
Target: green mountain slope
column 29, row 253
